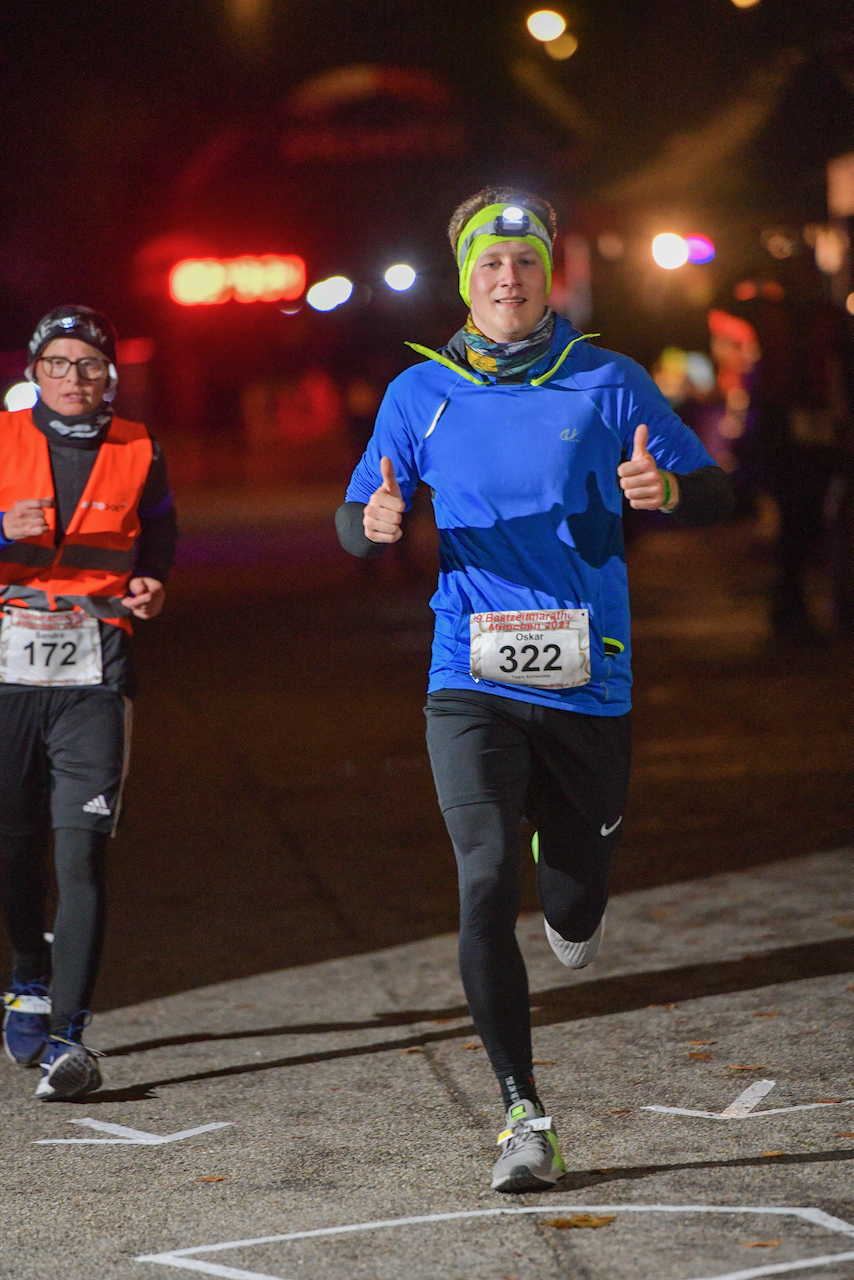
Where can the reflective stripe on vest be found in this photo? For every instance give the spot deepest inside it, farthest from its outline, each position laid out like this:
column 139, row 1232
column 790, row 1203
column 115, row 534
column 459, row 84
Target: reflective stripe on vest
column 95, row 558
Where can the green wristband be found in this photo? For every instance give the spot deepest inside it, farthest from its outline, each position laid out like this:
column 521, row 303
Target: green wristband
column 666, row 478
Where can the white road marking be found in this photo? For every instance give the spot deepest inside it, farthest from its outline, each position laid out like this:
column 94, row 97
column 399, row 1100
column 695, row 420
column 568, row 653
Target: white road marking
column 772, row 1269
column 181, row 1259
column 743, row 1105
column 129, row 1137
column 745, row 1102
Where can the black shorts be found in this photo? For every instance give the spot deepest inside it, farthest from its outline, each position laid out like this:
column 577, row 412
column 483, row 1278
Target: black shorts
column 568, row 773
column 63, row 752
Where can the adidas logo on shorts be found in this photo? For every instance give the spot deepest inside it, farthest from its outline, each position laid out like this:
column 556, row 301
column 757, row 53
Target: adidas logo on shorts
column 98, row 805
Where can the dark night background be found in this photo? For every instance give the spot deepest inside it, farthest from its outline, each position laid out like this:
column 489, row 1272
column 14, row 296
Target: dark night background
column 125, row 123
column 280, row 808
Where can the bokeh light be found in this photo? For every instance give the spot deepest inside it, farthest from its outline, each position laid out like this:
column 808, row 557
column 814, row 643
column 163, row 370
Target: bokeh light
column 563, row 47
column 22, row 395
column 611, row 246
column 849, row 304
column 326, row 295
column 545, row 24
column 400, row 277
column 745, row 4
column 669, row 250
column 197, row 282
column 209, row 281
column 700, row 249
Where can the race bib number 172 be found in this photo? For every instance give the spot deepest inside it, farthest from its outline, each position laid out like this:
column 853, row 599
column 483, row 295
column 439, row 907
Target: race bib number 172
column 59, row 649
column 538, row 648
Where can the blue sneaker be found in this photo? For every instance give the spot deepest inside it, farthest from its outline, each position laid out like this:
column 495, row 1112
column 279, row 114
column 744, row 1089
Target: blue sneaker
column 26, row 1006
column 68, row 1068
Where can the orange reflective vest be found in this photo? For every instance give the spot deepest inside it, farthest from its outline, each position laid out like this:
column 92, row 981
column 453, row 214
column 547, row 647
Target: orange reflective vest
column 91, row 567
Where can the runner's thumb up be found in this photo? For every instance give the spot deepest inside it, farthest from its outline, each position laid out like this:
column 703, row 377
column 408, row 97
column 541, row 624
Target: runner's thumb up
column 640, row 442
column 389, row 484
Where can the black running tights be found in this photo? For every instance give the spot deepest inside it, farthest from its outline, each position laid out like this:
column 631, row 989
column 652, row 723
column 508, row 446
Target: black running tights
column 494, row 761
column 78, row 929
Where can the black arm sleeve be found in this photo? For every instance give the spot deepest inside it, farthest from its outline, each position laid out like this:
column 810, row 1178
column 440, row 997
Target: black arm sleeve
column 705, row 497
column 158, row 540
column 351, row 533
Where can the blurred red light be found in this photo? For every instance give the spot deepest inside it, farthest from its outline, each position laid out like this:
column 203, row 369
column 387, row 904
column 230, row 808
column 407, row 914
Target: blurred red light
column 197, row 282
column 134, row 350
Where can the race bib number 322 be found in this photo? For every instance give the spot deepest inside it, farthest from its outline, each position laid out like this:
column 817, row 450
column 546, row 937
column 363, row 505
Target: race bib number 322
column 62, row 649
column 537, row 648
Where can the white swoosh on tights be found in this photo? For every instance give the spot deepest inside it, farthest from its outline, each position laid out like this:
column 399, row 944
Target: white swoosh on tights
column 606, row 831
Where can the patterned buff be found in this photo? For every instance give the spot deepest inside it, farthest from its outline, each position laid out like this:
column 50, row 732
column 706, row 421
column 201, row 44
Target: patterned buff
column 508, row 359
column 84, row 426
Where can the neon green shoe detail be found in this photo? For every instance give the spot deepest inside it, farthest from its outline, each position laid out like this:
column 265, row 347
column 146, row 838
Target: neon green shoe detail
column 557, row 1158
column 535, row 846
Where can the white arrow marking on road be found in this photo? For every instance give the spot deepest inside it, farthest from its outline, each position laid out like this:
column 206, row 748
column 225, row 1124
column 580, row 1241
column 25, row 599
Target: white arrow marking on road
column 130, row 1137
column 743, row 1105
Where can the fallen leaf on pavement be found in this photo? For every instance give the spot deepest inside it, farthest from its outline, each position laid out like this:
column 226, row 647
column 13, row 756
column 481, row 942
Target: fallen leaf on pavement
column 701, row 1042
column 542, row 1062
column 845, row 921
column 735, row 1066
column 603, row 1170
column 621, row 1111
column 671, row 1006
column 830, row 1100
column 581, row 1220
column 773, row 1153
column 772, row 1013
column 701, row 1057
column 472, row 1046
column 760, row 1244
column 414, row 1049
column 437, row 1022
column 845, row 1135
column 219, row 1178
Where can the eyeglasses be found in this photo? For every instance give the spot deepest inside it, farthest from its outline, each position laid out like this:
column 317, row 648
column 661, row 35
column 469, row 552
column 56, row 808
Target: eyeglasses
column 90, row 368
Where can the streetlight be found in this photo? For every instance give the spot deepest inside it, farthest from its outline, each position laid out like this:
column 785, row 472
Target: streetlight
column 545, row 25
column 563, row 47
column 326, row 295
column 669, row 251
column 22, row 395
column 400, row 277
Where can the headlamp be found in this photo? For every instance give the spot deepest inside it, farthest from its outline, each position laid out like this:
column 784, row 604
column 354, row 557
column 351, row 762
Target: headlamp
column 512, row 222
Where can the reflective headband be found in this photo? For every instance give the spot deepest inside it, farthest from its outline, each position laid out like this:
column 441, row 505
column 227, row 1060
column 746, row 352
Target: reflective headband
column 493, row 225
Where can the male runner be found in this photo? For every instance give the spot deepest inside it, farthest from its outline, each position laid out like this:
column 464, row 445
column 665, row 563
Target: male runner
column 526, row 435
column 87, row 539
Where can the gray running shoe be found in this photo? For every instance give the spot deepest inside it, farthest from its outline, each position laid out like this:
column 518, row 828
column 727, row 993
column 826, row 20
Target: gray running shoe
column 530, row 1159
column 575, row 955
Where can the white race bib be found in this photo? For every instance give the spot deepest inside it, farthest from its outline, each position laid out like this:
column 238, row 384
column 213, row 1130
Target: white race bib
column 53, row 649
column 539, row 648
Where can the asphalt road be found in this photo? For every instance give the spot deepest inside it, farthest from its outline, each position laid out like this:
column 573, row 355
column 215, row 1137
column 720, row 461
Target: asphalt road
column 280, row 954
column 280, row 807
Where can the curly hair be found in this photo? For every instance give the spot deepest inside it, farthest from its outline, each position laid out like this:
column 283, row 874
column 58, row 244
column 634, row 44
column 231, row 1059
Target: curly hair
column 500, row 195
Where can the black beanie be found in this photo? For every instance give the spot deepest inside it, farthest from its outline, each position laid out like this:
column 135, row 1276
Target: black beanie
column 75, row 322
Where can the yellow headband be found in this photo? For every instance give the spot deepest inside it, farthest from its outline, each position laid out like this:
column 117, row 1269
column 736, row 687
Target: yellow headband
column 491, row 226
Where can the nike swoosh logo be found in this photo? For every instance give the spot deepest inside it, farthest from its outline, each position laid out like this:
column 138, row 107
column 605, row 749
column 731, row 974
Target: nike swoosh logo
column 606, row 831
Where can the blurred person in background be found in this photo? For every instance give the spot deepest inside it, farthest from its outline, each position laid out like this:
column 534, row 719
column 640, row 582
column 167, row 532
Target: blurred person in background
column 87, row 540
column 528, row 438
column 800, row 435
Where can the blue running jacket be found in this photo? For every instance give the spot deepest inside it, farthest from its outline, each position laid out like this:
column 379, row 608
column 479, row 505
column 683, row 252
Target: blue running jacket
column 527, row 499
